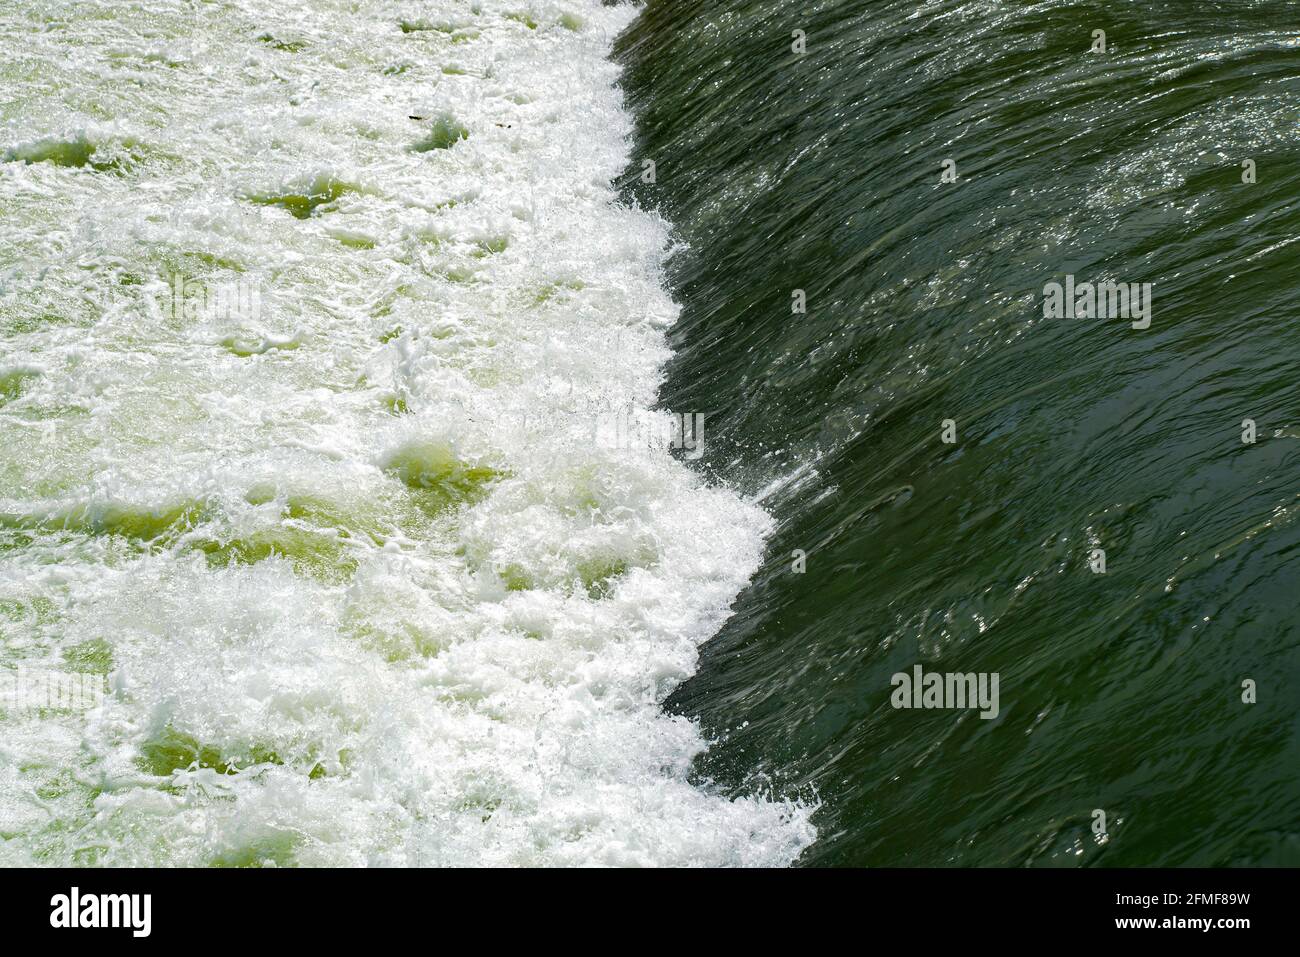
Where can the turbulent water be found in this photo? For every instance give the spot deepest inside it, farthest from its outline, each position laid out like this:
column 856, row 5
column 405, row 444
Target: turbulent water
column 313, row 318
column 307, row 312
column 1120, row 692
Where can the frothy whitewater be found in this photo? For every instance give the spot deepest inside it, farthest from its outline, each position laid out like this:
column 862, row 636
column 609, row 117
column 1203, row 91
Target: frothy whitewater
column 361, row 586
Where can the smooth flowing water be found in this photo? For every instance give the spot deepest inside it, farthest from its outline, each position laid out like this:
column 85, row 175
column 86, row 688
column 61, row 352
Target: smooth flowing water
column 1120, row 692
column 313, row 318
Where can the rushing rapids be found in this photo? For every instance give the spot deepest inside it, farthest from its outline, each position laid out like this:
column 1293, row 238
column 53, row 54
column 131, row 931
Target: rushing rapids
column 295, row 309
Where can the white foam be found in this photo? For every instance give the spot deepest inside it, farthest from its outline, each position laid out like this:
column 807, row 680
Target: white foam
column 353, row 555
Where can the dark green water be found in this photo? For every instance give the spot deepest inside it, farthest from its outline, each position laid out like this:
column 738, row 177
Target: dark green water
column 1119, row 691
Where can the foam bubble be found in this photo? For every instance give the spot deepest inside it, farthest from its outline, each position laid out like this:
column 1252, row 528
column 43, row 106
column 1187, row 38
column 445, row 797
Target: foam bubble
column 362, row 587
